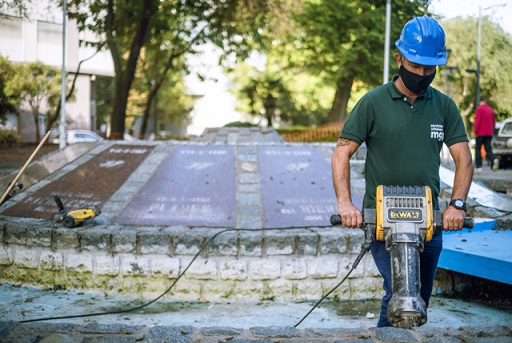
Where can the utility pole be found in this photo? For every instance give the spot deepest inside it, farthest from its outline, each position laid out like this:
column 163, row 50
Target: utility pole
column 62, row 125
column 387, row 42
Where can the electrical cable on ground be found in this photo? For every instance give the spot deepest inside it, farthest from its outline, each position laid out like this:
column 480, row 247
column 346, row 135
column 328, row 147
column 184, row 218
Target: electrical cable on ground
column 364, row 248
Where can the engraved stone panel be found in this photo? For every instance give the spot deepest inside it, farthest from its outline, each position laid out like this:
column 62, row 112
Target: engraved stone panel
column 297, row 187
column 91, row 184
column 194, row 186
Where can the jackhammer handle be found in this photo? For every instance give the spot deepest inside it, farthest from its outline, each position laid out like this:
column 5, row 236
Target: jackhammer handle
column 468, row 222
column 368, row 217
column 335, row 219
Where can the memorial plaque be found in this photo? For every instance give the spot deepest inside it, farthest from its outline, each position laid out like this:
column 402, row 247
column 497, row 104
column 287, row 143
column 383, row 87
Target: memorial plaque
column 297, row 187
column 194, row 186
column 91, row 184
column 46, row 165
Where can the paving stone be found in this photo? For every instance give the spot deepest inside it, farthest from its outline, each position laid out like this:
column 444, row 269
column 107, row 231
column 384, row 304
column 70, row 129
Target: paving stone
column 276, row 331
column 109, row 329
column 221, row 331
column 110, row 339
column 393, row 335
column 164, row 334
column 246, row 340
column 6, row 328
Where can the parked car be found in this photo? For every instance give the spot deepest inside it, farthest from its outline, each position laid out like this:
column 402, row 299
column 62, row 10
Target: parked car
column 502, row 144
column 76, row 136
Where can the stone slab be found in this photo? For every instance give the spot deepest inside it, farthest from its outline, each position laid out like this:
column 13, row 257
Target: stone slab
column 194, row 186
column 297, row 190
column 90, row 184
column 46, row 165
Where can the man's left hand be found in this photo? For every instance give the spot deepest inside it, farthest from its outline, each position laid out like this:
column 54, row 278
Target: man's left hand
column 453, row 219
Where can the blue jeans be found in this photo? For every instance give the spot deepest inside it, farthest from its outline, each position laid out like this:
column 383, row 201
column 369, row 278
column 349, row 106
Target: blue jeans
column 428, row 267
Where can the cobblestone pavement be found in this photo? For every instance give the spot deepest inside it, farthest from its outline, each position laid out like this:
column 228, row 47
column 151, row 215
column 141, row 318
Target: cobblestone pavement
column 450, row 320
column 65, row 332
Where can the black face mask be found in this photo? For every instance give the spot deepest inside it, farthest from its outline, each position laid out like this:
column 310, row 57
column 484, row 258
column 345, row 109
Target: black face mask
column 414, row 82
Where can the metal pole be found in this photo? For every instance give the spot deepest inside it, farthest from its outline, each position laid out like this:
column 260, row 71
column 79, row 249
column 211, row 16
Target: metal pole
column 478, row 57
column 62, row 126
column 387, row 41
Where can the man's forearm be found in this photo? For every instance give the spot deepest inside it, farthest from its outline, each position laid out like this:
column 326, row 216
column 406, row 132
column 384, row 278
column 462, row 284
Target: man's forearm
column 341, row 169
column 341, row 177
column 463, row 171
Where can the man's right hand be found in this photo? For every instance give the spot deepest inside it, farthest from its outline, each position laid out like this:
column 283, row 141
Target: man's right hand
column 351, row 217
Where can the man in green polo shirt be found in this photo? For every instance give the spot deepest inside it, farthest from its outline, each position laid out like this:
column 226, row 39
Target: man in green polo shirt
column 404, row 124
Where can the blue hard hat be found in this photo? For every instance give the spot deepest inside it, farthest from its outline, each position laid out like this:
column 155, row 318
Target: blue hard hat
column 423, row 42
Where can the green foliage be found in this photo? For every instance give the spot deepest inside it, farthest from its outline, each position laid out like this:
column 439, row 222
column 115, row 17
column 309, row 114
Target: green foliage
column 104, row 98
column 8, row 98
column 317, row 49
column 266, row 95
column 16, row 8
column 167, row 28
column 341, row 37
column 174, row 104
column 495, row 80
column 240, row 124
column 38, row 86
column 9, row 137
column 341, row 41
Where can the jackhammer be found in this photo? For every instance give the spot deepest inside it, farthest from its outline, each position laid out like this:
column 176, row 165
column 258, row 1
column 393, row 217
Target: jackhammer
column 404, row 219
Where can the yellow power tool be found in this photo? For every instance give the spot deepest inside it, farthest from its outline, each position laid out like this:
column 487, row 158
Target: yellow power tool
column 76, row 217
column 404, row 218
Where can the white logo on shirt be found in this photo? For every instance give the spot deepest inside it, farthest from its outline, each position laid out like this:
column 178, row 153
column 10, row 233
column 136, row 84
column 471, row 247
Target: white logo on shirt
column 437, row 132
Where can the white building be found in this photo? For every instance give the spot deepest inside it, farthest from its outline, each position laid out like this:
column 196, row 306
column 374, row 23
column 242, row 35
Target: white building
column 39, row 38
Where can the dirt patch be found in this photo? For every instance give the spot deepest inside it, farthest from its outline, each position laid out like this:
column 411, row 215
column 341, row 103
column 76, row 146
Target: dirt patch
column 476, row 290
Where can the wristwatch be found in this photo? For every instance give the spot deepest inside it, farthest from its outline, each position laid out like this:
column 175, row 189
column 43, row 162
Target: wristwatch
column 459, row 204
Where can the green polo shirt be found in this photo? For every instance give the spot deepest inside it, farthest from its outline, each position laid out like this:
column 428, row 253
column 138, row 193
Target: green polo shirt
column 403, row 141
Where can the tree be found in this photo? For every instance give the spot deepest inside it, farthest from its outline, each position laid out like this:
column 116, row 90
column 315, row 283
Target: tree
column 38, row 86
column 16, row 8
column 495, row 82
column 265, row 94
column 113, row 20
column 125, row 26
column 342, row 41
column 7, row 98
column 176, row 31
column 280, row 95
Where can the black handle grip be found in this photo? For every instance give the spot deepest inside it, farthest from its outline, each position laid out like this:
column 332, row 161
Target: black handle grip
column 468, row 222
column 59, row 203
column 335, row 219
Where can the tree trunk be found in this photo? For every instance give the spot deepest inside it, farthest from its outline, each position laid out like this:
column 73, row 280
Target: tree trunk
column 339, row 106
column 147, row 110
column 270, row 109
column 124, row 79
column 36, row 122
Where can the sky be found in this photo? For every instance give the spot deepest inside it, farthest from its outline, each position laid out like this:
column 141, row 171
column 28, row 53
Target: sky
column 217, row 105
column 499, row 11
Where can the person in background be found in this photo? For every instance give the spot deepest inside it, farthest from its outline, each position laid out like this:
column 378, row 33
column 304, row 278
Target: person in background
column 485, row 121
column 404, row 124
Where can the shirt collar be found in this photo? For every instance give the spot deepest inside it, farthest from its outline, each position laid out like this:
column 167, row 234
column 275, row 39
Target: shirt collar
column 396, row 94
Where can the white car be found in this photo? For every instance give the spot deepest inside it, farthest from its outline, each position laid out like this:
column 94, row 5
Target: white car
column 502, row 143
column 78, row 136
